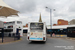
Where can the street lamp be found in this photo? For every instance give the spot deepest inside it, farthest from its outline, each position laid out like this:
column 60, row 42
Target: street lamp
column 50, row 19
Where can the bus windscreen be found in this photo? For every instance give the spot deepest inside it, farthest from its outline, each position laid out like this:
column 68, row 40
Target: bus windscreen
column 36, row 26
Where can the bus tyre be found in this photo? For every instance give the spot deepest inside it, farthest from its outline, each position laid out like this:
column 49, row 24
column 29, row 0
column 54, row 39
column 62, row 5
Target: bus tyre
column 44, row 41
column 9, row 34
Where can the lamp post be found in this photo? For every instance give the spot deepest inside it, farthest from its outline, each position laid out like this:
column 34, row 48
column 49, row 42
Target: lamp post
column 50, row 19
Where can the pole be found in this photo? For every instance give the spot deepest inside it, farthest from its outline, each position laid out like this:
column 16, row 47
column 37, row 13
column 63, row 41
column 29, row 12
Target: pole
column 51, row 21
column 2, row 34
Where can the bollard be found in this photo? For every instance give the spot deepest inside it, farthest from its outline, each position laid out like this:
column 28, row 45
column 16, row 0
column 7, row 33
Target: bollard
column 2, row 35
column 18, row 36
column 14, row 37
column 51, row 34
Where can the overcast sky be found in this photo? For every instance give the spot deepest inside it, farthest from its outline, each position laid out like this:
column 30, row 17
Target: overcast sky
column 30, row 10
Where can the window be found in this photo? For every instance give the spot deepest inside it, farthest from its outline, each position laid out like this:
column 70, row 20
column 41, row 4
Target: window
column 8, row 30
column 36, row 26
column 10, row 26
column 6, row 23
column 12, row 22
column 19, row 22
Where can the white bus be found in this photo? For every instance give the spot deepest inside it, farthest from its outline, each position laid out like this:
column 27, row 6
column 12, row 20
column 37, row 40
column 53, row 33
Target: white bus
column 10, row 28
column 36, row 31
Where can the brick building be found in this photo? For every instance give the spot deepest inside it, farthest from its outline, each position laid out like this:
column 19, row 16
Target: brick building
column 25, row 25
column 62, row 22
column 54, row 24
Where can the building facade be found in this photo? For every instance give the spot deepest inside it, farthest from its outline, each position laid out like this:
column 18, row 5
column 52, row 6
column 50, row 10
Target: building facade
column 72, row 22
column 62, row 22
column 54, row 24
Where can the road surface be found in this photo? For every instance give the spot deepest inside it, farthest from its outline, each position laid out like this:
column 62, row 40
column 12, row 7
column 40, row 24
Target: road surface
column 51, row 44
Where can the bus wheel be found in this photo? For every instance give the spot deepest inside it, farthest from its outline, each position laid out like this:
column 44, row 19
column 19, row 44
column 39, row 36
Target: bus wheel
column 44, row 41
column 9, row 34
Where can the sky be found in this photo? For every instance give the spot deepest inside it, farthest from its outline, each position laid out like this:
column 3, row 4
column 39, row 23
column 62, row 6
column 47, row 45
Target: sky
column 30, row 10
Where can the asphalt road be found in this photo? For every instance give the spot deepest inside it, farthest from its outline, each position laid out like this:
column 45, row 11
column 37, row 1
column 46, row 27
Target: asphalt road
column 51, row 44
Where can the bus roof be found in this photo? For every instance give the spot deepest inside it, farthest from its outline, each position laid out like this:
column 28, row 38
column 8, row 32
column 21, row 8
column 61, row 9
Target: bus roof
column 11, row 21
column 60, row 26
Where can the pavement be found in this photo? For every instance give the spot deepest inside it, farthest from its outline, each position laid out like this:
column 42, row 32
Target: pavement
column 7, row 40
column 11, row 39
column 51, row 44
column 61, row 37
column 58, row 36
